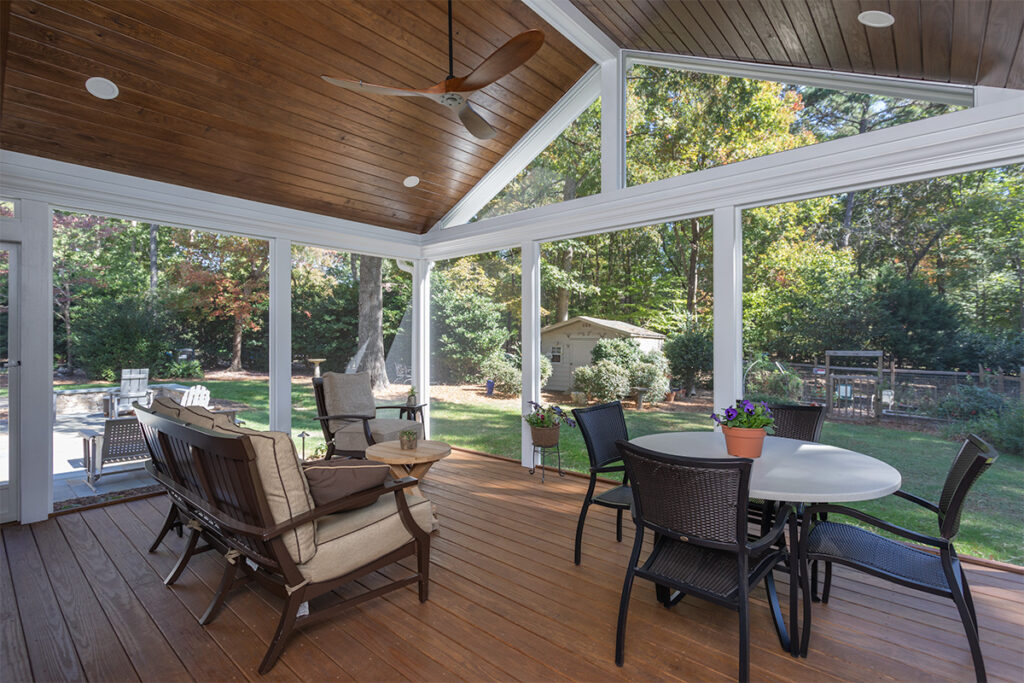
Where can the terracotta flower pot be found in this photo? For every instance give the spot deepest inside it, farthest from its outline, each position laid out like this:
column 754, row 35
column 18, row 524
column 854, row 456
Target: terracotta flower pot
column 743, row 442
column 546, row 437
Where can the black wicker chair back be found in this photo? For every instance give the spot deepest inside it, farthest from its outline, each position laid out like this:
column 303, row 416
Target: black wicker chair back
column 602, row 426
column 798, row 422
column 696, row 508
column 696, row 498
column 974, row 458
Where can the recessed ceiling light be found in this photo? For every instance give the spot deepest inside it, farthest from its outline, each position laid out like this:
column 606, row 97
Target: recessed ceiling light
column 411, row 181
column 876, row 19
column 101, row 88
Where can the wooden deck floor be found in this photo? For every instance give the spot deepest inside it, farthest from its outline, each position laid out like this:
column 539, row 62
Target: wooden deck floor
column 82, row 599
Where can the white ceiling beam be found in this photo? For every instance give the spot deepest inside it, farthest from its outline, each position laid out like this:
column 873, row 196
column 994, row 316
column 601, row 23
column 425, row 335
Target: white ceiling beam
column 535, row 141
column 574, row 25
column 982, row 137
column 79, row 188
column 945, row 93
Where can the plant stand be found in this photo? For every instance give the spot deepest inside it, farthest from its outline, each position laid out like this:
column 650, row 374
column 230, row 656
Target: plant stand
column 540, row 452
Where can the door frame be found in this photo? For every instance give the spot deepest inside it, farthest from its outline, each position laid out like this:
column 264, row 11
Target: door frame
column 10, row 507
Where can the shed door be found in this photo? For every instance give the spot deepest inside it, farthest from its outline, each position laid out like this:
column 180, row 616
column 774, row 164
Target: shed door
column 578, row 352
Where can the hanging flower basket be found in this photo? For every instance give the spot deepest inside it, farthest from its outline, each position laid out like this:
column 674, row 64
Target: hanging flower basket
column 744, row 442
column 546, row 437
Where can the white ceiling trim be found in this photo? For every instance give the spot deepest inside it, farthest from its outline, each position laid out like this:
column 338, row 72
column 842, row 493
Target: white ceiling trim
column 535, row 141
column 575, row 26
column 982, row 137
column 931, row 91
column 80, row 188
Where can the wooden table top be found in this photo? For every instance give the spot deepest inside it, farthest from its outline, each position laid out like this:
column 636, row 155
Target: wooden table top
column 391, row 452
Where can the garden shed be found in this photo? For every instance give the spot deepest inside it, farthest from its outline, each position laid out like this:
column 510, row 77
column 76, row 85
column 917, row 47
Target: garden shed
column 568, row 344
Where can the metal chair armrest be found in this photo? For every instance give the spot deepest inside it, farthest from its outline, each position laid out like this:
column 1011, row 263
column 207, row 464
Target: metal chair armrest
column 924, row 539
column 613, row 468
column 918, row 500
column 89, row 433
column 324, row 418
column 779, row 528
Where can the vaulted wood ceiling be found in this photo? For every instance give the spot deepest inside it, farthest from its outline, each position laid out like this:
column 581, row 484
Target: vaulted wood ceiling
column 227, row 96
column 956, row 41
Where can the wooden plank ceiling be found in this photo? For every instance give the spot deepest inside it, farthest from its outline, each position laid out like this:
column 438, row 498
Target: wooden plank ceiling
column 955, row 41
column 227, row 96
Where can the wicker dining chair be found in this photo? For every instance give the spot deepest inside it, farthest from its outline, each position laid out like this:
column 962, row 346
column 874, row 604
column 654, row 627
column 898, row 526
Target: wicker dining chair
column 895, row 561
column 602, row 426
column 694, row 507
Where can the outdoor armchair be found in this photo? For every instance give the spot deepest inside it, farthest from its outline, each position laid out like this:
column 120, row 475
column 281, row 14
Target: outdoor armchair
column 938, row 572
column 602, row 426
column 119, row 442
column 347, row 413
column 694, row 507
column 252, row 505
column 134, row 387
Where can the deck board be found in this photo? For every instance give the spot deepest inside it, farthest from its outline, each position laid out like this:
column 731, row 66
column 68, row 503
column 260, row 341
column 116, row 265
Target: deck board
column 506, row 603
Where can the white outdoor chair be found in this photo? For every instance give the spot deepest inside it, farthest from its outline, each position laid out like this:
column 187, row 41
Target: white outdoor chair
column 196, row 396
column 134, row 387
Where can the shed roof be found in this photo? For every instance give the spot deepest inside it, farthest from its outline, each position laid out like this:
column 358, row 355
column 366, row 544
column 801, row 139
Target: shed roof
column 617, row 325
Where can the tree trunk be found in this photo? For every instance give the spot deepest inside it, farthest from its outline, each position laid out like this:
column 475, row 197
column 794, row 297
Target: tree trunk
column 152, row 259
column 236, row 345
column 371, row 321
column 691, row 267
column 562, row 305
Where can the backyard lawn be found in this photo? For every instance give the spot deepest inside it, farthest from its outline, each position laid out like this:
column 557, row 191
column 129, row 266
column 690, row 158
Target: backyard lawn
column 992, row 527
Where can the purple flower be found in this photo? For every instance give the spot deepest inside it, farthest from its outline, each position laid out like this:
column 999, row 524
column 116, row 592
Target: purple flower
column 714, row 416
column 731, row 413
column 748, row 406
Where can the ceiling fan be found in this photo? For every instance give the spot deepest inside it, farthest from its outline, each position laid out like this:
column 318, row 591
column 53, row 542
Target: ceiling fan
column 453, row 92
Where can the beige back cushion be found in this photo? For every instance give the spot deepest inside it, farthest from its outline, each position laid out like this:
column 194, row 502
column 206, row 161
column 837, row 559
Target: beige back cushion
column 193, row 415
column 348, row 394
column 284, row 485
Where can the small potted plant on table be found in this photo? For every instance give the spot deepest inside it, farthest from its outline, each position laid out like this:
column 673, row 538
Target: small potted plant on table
column 410, row 400
column 745, row 427
column 407, row 438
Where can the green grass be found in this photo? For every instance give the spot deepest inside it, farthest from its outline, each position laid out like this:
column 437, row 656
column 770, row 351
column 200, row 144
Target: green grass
column 993, row 521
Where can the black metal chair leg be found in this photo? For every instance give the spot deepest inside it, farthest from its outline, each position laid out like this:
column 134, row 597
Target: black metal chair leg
column 967, row 597
column 583, row 518
column 773, row 603
column 828, row 582
column 169, row 523
column 618, row 525
column 815, row 597
column 970, row 628
column 744, row 674
column 805, row 587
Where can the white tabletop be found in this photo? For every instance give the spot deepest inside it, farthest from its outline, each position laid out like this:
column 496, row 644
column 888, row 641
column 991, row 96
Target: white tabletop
column 791, row 470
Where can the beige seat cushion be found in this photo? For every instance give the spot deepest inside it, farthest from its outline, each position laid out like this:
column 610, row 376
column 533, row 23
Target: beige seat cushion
column 193, row 415
column 348, row 540
column 352, row 438
column 284, row 485
column 348, row 394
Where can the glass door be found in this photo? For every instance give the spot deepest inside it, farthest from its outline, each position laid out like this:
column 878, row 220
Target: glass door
column 9, row 371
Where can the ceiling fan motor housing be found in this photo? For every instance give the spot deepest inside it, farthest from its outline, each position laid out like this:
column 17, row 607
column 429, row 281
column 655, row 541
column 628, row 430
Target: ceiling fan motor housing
column 452, row 99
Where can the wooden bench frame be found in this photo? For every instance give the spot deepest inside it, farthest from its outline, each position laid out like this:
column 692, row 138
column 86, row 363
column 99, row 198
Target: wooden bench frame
column 207, row 473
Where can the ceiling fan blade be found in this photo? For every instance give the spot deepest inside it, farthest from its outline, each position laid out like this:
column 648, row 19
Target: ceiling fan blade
column 502, row 61
column 371, row 89
column 475, row 124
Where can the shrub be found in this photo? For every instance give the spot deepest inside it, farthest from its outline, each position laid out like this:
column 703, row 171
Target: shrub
column 653, row 375
column 119, row 333
column 466, row 327
column 780, row 387
column 1003, row 429
column 507, row 376
column 625, row 353
column 969, row 401
column 603, row 380
column 182, row 369
column 690, row 353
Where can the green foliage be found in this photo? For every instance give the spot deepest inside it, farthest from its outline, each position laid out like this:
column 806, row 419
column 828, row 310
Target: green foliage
column 622, row 351
column 967, row 349
column 507, row 375
column 969, row 401
column 690, row 353
column 467, row 330
column 910, row 320
column 182, row 369
column 604, row 380
column 774, row 386
column 121, row 333
column 1004, row 429
column 653, row 375
column 745, row 414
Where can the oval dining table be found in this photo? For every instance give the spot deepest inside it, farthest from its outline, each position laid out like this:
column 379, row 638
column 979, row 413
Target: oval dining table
column 791, row 471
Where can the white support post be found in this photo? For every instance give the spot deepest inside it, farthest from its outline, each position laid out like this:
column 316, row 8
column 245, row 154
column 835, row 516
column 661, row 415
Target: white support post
column 613, row 124
column 728, row 308
column 281, row 335
column 531, row 339
column 33, row 228
column 421, row 336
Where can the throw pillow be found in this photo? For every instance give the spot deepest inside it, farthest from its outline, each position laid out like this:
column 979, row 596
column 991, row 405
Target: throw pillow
column 337, row 478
